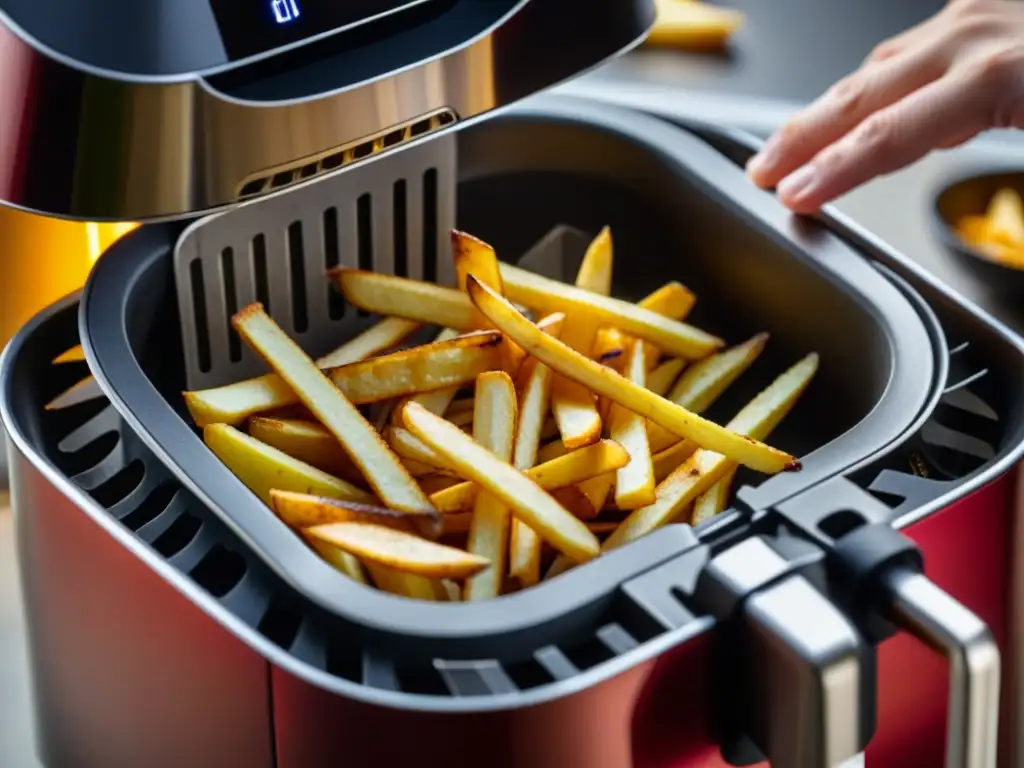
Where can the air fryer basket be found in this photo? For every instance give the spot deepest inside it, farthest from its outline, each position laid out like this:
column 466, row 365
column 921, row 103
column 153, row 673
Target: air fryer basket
column 678, row 210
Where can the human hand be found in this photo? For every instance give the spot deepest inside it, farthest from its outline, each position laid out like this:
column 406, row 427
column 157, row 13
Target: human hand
column 933, row 87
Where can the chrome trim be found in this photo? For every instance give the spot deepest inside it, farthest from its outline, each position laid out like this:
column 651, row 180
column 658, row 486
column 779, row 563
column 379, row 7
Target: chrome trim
column 78, row 143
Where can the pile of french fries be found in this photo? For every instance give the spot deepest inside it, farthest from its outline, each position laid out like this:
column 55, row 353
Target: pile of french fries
column 507, row 450
column 998, row 233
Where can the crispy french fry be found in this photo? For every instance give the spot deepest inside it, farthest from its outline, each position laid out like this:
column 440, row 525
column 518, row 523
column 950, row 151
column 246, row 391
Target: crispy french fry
column 494, row 428
column 634, row 483
column 693, row 26
column 596, row 490
column 661, row 379
column 534, row 402
column 343, row 561
column 569, row 469
column 381, row 468
column 673, row 300
column 437, row 401
column 410, row 448
column 575, row 408
column 305, row 510
column 524, row 497
column 704, row 382
column 566, row 361
column 553, row 450
column 713, row 501
column 705, row 468
column 595, row 273
column 1005, row 214
column 670, row 336
column 306, row 441
column 234, row 403
column 406, row 584
column 426, row 368
column 399, row 550
column 262, row 468
column 401, row 297
column 666, row 460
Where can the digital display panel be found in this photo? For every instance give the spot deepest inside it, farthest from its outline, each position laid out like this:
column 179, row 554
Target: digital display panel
column 249, row 27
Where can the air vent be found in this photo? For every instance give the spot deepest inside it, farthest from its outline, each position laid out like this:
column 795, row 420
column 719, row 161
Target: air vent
column 331, row 160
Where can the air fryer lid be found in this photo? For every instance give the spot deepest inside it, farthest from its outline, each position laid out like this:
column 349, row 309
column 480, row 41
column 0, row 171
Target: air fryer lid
column 136, row 110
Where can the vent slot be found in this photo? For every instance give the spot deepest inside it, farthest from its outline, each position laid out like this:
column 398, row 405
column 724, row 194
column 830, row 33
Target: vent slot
column 348, row 154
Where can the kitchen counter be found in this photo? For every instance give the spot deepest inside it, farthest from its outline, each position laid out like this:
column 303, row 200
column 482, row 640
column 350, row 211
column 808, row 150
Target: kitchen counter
column 789, row 52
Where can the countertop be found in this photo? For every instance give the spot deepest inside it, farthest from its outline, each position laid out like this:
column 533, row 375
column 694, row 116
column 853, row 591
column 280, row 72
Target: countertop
column 789, row 51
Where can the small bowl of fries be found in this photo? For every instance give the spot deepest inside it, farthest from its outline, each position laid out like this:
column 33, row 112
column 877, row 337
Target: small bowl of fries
column 980, row 220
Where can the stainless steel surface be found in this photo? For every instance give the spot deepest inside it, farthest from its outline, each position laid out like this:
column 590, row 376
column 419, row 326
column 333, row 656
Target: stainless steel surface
column 804, row 654
column 142, row 148
column 295, row 226
column 924, row 610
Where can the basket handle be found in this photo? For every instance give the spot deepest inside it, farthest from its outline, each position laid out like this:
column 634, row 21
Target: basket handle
column 922, row 609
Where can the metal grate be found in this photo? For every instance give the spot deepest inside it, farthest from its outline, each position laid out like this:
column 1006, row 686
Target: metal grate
column 391, row 217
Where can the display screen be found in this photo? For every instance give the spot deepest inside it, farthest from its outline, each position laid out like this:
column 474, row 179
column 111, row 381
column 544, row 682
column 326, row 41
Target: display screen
column 249, row 27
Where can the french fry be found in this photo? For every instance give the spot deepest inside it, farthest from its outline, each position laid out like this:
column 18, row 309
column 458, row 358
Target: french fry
column 712, row 501
column 406, row 584
column 524, row 497
column 262, row 468
column 694, row 26
column 234, row 403
column 634, row 483
column 1005, row 214
column 409, row 447
column 596, row 491
column 666, row 460
column 399, row 550
column 425, row 368
column 341, row 560
column 306, row 441
column 543, row 295
column 494, row 428
column 673, row 300
column 381, row 468
column 437, row 401
column 575, row 408
column 595, row 272
column 566, row 361
column 534, row 402
column 705, row 468
column 569, row 469
column 661, row 379
column 304, row 510
column 704, row 382
column 401, row 297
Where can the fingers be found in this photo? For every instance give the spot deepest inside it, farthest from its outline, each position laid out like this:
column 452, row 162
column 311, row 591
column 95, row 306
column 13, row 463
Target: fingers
column 939, row 114
column 876, row 85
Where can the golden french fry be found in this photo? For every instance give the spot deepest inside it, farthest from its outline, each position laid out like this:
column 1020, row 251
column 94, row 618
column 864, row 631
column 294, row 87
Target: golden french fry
column 566, row 361
column 305, row 510
column 705, row 468
column 704, row 382
column 343, row 561
column 670, row 336
column 666, row 460
column 1005, row 214
column 306, row 441
column 534, row 402
column 595, row 273
column 406, row 584
column 673, row 300
column 494, row 428
column 262, row 468
column 596, row 490
column 569, row 469
column 693, row 25
column 399, row 550
column 602, row 527
column 634, row 483
column 525, row 498
column 426, row 368
column 381, row 468
column 234, row 403
column 401, row 297
column 575, row 409
column 713, row 501
column 410, row 448
column 661, row 379
column 437, row 401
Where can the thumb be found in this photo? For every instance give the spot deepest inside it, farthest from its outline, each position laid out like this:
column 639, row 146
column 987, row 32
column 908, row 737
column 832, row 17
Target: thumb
column 943, row 113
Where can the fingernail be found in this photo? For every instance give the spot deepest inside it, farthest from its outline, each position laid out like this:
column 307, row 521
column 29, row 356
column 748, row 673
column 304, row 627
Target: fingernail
column 799, row 183
column 764, row 159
